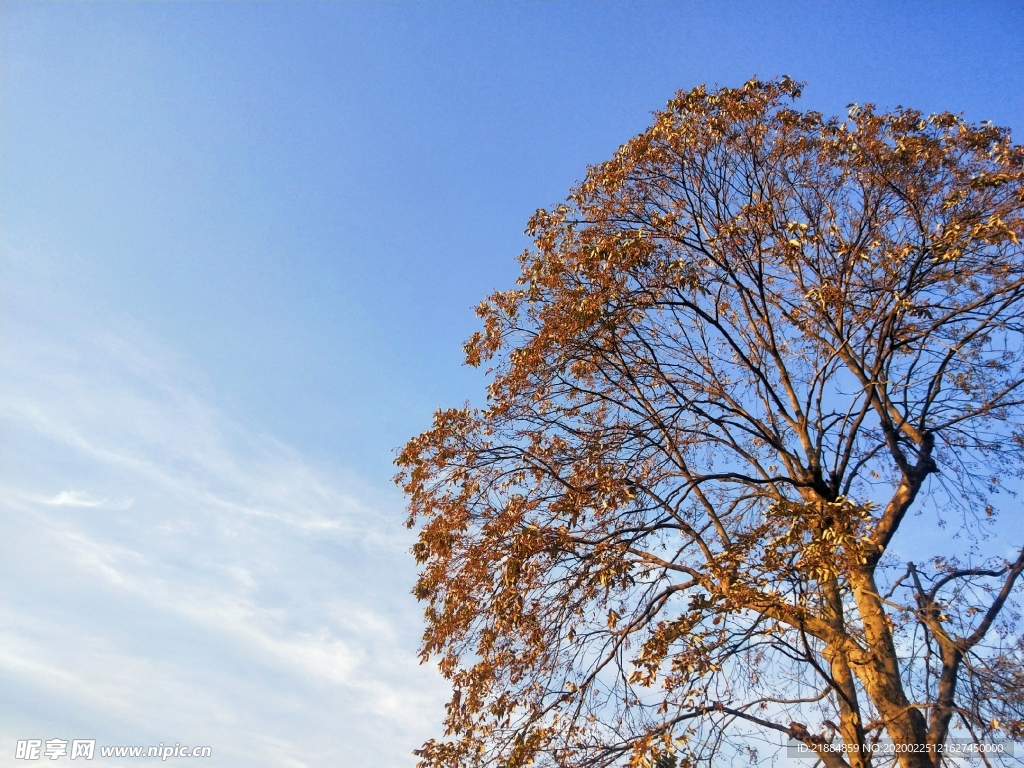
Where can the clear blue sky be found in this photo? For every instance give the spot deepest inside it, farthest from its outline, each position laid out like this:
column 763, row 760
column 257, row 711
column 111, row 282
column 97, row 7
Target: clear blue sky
column 240, row 246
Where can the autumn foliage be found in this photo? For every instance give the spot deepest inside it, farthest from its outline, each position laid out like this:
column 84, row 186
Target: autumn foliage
column 753, row 366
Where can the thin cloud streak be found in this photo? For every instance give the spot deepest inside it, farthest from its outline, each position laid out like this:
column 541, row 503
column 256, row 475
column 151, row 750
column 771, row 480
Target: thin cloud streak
column 80, row 499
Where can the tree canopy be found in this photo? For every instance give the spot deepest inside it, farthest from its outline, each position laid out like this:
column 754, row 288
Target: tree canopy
column 748, row 461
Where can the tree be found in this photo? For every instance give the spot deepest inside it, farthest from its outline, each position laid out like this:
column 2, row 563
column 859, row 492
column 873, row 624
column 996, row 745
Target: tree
column 756, row 355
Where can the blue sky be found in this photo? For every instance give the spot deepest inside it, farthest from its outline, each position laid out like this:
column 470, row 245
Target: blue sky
column 240, row 245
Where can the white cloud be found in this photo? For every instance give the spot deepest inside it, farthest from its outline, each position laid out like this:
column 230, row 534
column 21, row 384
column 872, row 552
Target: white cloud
column 221, row 589
column 81, row 499
column 74, row 499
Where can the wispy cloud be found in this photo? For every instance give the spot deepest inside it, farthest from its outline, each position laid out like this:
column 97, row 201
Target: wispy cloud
column 222, row 588
column 82, row 499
